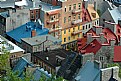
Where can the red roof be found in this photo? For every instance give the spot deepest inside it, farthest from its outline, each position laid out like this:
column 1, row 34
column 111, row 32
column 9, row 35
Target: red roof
column 92, row 31
column 94, row 46
column 109, row 35
column 117, row 54
column 81, row 43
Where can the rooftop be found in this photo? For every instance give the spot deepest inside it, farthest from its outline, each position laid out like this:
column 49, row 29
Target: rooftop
column 4, row 14
column 40, row 39
column 48, row 7
column 117, row 54
column 93, row 14
column 51, row 56
column 88, row 73
column 25, row 30
column 9, row 46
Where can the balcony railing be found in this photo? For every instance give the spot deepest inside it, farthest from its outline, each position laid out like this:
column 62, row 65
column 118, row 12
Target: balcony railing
column 52, row 21
column 76, row 32
column 76, row 21
column 76, row 11
column 55, row 29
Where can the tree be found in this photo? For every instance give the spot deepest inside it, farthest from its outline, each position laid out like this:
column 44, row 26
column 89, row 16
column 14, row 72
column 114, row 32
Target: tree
column 6, row 74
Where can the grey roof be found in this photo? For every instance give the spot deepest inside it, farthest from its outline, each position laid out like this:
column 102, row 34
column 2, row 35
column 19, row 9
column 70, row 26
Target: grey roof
column 115, row 13
column 4, row 14
column 48, row 7
column 39, row 39
column 88, row 73
column 7, row 3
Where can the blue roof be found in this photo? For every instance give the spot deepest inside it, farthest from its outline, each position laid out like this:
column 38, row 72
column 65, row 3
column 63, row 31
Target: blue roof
column 22, row 63
column 24, row 31
column 117, row 1
column 38, row 73
column 88, row 73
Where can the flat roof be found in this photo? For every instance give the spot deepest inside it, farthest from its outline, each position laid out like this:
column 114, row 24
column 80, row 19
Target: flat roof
column 39, row 39
column 9, row 46
column 52, row 55
column 48, row 7
column 24, row 31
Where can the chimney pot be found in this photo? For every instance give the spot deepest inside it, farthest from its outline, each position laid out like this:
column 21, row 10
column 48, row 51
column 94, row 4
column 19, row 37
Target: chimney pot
column 33, row 33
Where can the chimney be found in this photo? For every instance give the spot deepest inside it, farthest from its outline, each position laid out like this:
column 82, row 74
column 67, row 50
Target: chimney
column 33, row 33
column 54, row 2
column 96, row 64
column 98, row 30
column 102, row 39
column 89, row 38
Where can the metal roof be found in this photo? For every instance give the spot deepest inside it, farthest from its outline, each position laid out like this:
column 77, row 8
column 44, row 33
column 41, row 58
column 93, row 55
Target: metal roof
column 24, row 31
column 88, row 73
column 40, row 39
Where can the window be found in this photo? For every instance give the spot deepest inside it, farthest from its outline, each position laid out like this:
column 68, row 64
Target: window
column 68, row 30
column 101, row 58
column 64, row 19
column 69, row 38
column 97, row 21
column 89, row 25
column 64, row 39
column 69, row 7
column 83, row 27
column 51, row 18
column 74, row 17
column 74, row 6
column 103, row 25
column 78, row 27
column 78, row 16
column 69, row 18
column 65, row 8
column 79, row 6
column 73, row 29
column 65, row 31
column 86, row 26
column 78, row 35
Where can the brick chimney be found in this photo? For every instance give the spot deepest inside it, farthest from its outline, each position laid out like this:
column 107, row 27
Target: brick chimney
column 33, row 33
column 54, row 2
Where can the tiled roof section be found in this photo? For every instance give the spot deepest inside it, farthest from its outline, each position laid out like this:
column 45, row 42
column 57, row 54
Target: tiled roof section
column 88, row 73
column 81, row 42
column 117, row 54
column 93, row 14
column 23, row 32
column 94, row 46
column 109, row 35
column 52, row 55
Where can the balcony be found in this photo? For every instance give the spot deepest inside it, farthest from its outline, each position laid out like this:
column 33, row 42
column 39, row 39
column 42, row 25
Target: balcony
column 76, row 11
column 76, row 32
column 55, row 29
column 76, row 21
column 52, row 21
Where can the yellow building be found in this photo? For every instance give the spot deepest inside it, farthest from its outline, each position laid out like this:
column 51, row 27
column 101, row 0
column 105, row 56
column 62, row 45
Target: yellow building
column 70, row 35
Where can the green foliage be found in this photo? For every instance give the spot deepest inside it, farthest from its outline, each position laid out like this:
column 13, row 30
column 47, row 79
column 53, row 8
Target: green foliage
column 115, row 64
column 13, row 76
